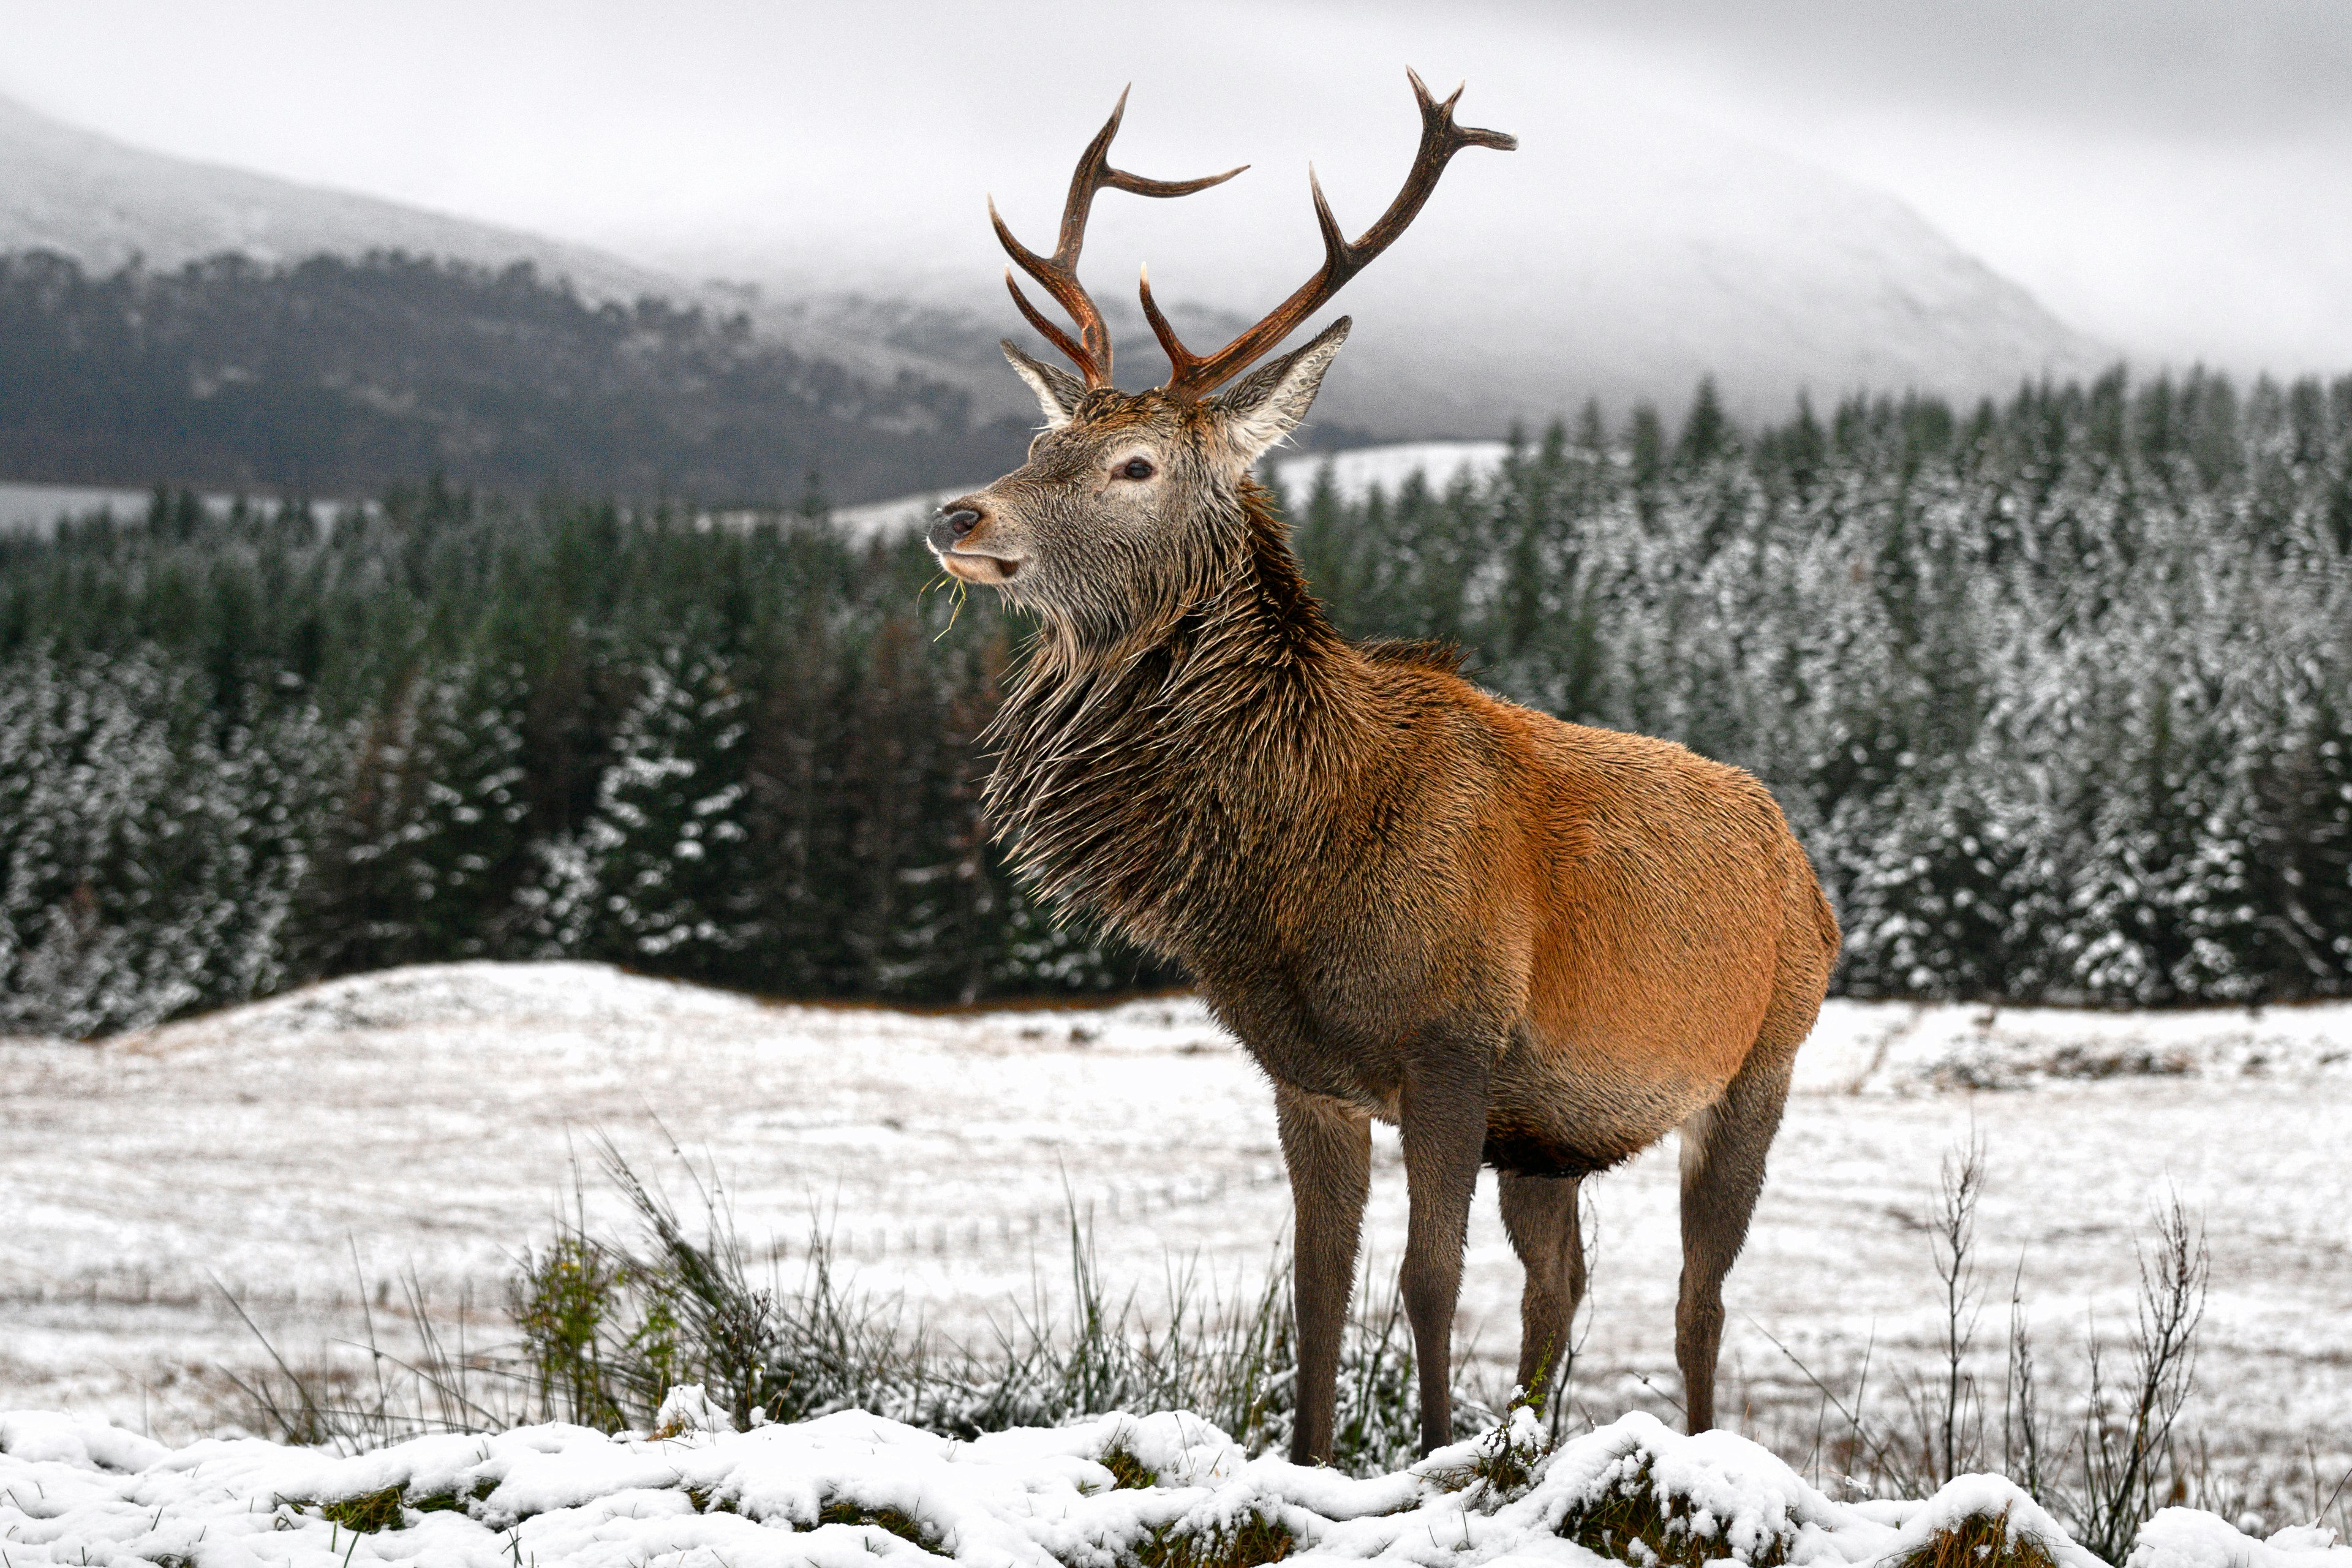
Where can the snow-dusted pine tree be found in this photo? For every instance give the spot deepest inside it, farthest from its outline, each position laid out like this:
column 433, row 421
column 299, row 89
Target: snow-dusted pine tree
column 660, row 875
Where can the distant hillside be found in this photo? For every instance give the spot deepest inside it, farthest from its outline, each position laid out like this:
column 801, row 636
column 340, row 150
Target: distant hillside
column 1614, row 257
column 331, row 376
column 102, row 203
column 105, row 203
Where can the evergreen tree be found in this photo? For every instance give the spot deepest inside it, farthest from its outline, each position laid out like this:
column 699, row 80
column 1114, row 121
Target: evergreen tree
column 425, row 857
column 662, row 878
column 2053, row 692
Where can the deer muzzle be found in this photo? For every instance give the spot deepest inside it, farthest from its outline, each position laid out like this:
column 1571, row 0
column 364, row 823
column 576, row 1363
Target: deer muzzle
column 955, row 524
column 950, row 526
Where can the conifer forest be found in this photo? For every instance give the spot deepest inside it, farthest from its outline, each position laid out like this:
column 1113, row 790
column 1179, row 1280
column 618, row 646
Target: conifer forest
column 2057, row 693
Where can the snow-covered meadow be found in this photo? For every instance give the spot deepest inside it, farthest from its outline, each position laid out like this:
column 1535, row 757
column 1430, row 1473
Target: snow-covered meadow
column 304, row 1152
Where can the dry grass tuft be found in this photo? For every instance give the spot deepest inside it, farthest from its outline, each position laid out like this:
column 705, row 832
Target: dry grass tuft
column 1979, row 1541
column 449, row 1501
column 1127, row 1473
column 903, row 1525
column 1250, row 1541
column 1631, row 1524
column 367, row 1512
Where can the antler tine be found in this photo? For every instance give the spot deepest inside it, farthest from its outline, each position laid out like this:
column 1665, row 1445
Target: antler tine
column 1193, row 375
column 1058, row 274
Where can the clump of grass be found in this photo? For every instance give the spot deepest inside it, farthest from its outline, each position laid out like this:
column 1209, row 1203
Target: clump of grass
column 1634, row 1521
column 897, row 1521
column 1127, row 1473
column 602, row 1326
column 2104, row 1468
column 450, row 1501
column 443, row 1385
column 1250, row 1541
column 1978, row 1541
column 1503, row 1464
column 610, row 1328
column 367, row 1512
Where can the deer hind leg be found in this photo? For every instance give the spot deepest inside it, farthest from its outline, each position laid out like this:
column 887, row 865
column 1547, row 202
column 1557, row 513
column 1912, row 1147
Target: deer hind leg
column 1443, row 1119
column 1723, row 1150
column 1326, row 1147
column 1540, row 1214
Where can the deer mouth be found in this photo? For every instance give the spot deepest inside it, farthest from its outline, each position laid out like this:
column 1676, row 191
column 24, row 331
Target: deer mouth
column 974, row 567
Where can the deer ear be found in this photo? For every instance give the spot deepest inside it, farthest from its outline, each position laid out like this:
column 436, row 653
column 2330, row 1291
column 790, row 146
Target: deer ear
column 1270, row 401
column 1057, row 390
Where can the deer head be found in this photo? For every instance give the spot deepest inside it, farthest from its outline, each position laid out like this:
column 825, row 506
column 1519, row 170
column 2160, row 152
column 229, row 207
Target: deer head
column 1128, row 501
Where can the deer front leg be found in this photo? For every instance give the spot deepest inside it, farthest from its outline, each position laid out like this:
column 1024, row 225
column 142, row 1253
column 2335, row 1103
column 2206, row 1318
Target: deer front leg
column 1326, row 1147
column 1443, row 1122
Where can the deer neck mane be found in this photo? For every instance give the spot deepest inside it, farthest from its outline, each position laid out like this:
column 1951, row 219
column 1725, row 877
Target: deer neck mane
column 1157, row 781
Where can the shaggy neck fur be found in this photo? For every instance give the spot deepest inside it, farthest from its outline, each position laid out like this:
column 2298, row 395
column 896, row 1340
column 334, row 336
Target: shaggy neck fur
column 1158, row 780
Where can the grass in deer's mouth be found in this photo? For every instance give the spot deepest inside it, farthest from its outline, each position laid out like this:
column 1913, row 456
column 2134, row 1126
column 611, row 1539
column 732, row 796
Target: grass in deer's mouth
column 955, row 586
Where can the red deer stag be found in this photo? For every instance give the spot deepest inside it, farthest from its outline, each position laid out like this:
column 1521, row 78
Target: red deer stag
column 1530, row 944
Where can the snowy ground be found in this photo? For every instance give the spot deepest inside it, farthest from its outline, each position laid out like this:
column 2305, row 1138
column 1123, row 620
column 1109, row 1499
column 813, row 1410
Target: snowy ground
column 841, row 1492
column 305, row 1151
column 35, row 509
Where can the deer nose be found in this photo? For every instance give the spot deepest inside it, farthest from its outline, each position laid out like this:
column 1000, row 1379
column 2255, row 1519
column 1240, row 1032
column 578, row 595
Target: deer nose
column 953, row 524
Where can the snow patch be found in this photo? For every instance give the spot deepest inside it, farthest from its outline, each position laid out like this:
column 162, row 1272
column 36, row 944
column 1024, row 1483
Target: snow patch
column 1859, row 1046
column 837, row 1491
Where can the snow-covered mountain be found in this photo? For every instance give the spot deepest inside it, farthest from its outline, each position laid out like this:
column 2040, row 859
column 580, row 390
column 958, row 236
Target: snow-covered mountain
column 102, row 202
column 1610, row 258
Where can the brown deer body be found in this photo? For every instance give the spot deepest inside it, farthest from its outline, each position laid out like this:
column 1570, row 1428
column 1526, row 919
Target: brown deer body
column 1531, row 944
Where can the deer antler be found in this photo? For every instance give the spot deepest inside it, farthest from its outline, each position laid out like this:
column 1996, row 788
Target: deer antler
column 1193, row 376
column 1058, row 274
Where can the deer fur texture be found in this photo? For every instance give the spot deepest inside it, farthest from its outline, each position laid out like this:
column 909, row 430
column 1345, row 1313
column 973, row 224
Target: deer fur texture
column 1531, row 944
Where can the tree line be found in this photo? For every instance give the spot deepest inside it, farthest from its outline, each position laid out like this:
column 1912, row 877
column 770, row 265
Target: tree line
column 2056, row 692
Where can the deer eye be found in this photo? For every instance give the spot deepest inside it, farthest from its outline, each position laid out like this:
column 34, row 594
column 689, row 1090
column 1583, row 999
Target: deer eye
column 1135, row 468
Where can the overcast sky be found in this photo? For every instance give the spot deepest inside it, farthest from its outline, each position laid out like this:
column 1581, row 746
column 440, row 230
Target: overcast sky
column 2174, row 178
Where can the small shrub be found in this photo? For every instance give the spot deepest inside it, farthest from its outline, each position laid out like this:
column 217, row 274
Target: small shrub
column 1250, row 1541
column 1631, row 1522
column 561, row 1299
column 1979, row 1541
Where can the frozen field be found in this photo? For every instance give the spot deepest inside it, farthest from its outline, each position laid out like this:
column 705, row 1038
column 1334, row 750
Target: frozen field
column 307, row 1149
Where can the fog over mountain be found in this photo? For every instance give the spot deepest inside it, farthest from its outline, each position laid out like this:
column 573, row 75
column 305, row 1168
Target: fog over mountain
column 1618, row 254
column 1612, row 263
